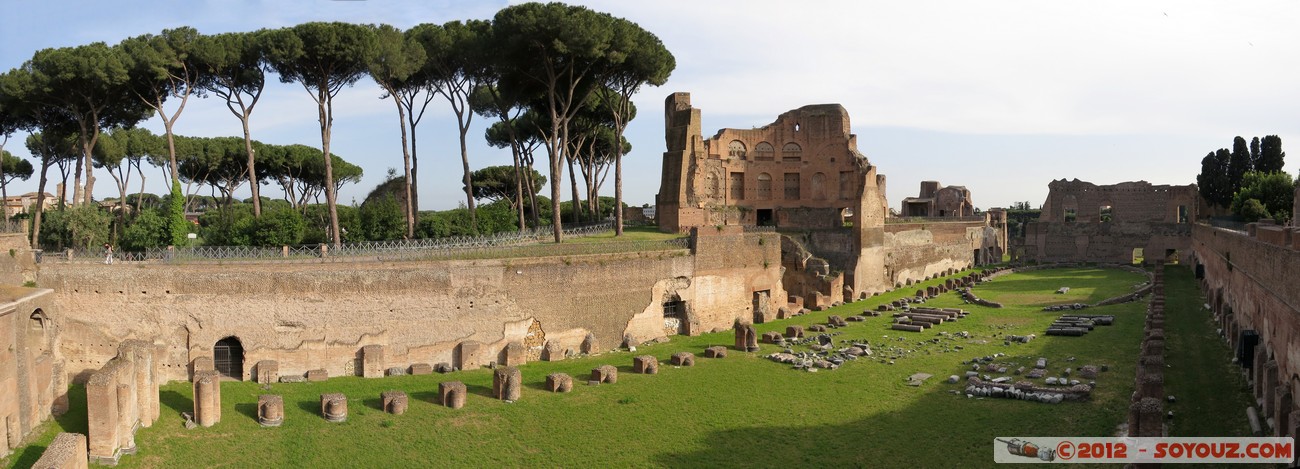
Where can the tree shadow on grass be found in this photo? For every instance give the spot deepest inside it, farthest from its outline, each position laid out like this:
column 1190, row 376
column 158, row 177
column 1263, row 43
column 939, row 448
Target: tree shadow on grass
column 426, row 396
column 475, row 389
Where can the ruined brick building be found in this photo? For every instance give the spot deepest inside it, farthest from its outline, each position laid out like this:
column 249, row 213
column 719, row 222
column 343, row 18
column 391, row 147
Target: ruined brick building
column 936, row 200
column 1085, row 222
column 804, row 176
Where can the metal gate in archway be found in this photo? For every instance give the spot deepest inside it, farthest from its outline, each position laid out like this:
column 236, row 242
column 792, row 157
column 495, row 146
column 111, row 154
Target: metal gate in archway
column 228, row 357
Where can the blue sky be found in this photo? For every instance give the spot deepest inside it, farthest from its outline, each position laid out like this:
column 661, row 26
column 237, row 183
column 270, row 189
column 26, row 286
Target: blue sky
column 1001, row 97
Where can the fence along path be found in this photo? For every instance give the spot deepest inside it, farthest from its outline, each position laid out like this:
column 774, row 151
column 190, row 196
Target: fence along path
column 533, row 243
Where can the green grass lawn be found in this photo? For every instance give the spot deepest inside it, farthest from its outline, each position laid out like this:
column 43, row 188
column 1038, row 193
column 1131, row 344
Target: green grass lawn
column 741, row 411
column 630, row 233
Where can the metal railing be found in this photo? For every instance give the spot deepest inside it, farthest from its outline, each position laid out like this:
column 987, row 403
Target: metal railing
column 535, row 243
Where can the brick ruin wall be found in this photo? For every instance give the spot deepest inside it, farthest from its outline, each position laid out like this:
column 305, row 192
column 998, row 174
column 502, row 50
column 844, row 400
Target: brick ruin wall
column 1250, row 284
column 1075, row 225
column 32, row 384
column 311, row 316
column 918, row 251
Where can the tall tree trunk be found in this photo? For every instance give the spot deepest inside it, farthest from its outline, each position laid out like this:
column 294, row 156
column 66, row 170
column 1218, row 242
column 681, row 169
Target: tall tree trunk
column 40, row 203
column 519, row 183
column 326, row 120
column 414, row 182
column 573, row 181
column 557, row 172
column 254, row 184
column 618, row 194
column 406, row 166
column 469, row 188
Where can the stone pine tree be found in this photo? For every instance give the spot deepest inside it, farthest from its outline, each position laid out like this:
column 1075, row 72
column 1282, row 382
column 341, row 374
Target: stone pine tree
column 50, row 147
column 457, row 70
column 1271, row 156
column 392, row 62
column 647, row 61
column 12, row 168
column 236, row 73
column 555, row 51
column 162, row 68
column 87, row 85
column 324, row 58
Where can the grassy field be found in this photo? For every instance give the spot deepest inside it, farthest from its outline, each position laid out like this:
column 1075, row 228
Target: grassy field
column 741, row 411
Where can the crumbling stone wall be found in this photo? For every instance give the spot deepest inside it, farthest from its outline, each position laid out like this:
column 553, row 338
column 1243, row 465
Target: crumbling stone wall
column 419, row 311
column 1082, row 221
column 32, row 388
column 1251, row 289
column 918, row 251
column 937, row 200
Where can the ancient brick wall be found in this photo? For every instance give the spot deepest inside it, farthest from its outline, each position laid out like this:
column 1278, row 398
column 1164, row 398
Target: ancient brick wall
column 311, row 316
column 1082, row 221
column 1250, row 284
column 917, row 251
column 31, row 384
column 802, row 170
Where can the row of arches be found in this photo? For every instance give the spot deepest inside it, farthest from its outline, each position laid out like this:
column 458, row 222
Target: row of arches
column 764, row 151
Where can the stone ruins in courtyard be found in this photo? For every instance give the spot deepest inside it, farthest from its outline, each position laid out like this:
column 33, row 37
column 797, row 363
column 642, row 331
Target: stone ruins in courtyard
column 783, row 219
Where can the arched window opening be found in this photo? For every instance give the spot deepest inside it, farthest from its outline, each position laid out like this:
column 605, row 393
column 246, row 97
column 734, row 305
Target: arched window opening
column 736, row 149
column 791, row 153
column 764, row 152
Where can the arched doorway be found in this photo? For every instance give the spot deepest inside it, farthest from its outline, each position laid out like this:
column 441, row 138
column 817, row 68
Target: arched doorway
column 228, row 357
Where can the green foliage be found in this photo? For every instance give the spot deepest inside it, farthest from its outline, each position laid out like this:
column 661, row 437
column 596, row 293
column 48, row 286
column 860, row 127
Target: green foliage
column 496, row 217
column 277, row 227
column 178, row 227
column 1213, row 181
column 499, row 182
column 76, row 227
column 382, row 218
column 1271, row 157
column 14, row 168
column 1271, row 193
column 148, row 230
column 227, row 226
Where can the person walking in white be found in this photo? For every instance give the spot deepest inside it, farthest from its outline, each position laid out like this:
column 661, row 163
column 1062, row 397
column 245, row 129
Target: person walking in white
column 108, row 254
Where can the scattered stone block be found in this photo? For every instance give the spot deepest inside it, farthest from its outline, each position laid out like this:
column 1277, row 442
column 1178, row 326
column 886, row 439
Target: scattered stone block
column 918, row 379
column 645, row 364
column 589, row 345
column 1088, row 372
column 395, row 371
column 469, row 355
column 559, row 382
column 794, row 332
column 746, row 338
column 444, row 367
column 67, row 451
column 268, row 371
column 506, row 383
column 514, row 354
column 552, row 352
column 317, row 375
column 605, row 374
column 1041, row 363
column 772, row 337
column 683, row 359
column 372, row 361
column 817, row 328
column 202, row 364
column 334, row 407
column 451, row 394
column 270, row 410
column 421, row 369
column 856, row 318
column 293, row 379
column 716, row 351
column 394, row 402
